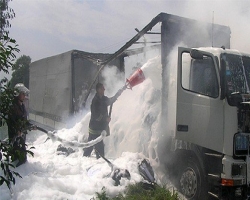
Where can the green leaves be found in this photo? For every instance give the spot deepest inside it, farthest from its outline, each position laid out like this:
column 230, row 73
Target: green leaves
column 6, row 98
column 140, row 191
column 7, row 14
column 8, row 49
column 8, row 178
column 21, row 71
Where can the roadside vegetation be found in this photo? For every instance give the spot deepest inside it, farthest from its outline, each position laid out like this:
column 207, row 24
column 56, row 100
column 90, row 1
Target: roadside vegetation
column 8, row 51
column 138, row 191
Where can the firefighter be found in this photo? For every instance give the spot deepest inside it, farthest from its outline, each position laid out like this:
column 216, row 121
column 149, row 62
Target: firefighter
column 18, row 124
column 99, row 119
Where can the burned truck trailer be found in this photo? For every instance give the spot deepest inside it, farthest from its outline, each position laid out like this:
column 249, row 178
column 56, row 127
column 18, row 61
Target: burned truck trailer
column 59, row 85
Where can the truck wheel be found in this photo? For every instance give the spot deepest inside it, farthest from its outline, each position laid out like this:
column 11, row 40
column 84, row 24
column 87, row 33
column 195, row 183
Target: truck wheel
column 191, row 181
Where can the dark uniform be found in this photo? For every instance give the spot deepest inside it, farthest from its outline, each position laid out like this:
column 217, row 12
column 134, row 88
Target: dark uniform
column 98, row 121
column 18, row 123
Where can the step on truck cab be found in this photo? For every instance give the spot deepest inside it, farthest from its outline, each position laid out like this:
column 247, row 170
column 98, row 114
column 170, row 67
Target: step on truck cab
column 210, row 147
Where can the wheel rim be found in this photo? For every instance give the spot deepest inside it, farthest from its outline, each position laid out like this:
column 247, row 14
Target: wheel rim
column 188, row 182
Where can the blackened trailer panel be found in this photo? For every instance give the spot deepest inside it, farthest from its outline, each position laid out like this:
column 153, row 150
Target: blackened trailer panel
column 193, row 33
column 179, row 29
column 85, row 67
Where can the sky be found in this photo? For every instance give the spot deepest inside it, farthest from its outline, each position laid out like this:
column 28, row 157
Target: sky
column 44, row 28
column 53, row 175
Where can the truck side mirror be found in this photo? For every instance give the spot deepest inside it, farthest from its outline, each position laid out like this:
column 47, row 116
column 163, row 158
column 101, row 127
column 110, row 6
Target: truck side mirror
column 194, row 53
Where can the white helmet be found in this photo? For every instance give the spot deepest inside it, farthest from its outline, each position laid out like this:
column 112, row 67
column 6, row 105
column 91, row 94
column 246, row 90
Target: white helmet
column 21, row 88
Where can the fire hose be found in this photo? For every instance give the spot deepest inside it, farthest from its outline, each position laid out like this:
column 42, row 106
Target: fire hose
column 53, row 137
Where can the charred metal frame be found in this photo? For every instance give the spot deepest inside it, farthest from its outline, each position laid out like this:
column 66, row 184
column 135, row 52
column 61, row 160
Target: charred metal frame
column 122, row 51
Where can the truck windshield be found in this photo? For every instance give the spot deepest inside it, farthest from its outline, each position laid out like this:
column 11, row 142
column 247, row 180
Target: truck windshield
column 237, row 73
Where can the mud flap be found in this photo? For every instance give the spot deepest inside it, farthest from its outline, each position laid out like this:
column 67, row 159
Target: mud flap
column 146, row 171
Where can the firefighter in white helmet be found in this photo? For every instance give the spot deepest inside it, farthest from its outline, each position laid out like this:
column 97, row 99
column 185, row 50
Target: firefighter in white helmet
column 20, row 88
column 18, row 123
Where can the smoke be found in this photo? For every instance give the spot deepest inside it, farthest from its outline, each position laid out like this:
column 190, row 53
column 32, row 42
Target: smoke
column 136, row 124
column 133, row 113
column 113, row 80
column 152, row 69
column 234, row 14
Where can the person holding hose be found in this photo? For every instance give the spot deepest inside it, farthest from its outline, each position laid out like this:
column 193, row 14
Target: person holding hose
column 100, row 118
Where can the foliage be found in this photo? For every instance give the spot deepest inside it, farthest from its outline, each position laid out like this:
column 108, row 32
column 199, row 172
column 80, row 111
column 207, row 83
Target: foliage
column 21, row 71
column 7, row 54
column 8, row 49
column 6, row 98
column 140, row 191
column 102, row 195
column 6, row 15
column 5, row 154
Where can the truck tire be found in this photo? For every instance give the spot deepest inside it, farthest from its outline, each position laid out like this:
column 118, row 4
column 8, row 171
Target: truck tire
column 192, row 183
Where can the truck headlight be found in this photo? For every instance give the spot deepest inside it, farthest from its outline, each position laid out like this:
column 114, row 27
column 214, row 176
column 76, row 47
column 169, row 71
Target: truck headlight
column 241, row 144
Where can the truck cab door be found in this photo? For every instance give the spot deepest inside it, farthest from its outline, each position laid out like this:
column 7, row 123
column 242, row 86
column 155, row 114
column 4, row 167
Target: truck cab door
column 199, row 116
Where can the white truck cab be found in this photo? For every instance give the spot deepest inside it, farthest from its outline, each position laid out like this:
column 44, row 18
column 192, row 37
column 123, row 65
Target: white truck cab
column 210, row 147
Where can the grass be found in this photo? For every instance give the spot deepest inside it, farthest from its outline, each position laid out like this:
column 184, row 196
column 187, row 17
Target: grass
column 140, row 191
